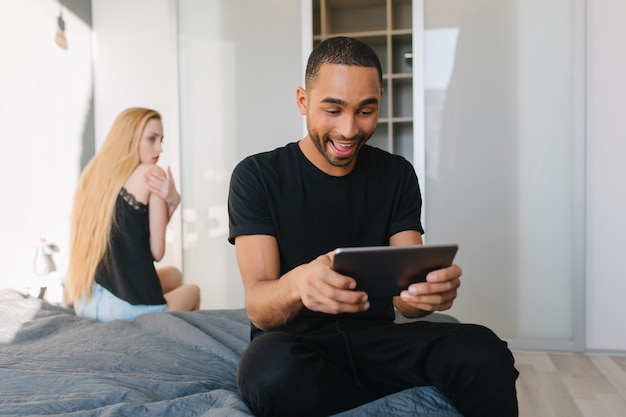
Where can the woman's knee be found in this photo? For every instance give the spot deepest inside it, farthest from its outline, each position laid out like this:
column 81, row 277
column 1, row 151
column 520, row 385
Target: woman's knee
column 184, row 298
column 194, row 295
column 170, row 278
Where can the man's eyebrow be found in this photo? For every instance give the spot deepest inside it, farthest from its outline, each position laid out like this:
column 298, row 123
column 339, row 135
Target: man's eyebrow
column 367, row 101
column 333, row 100
column 340, row 102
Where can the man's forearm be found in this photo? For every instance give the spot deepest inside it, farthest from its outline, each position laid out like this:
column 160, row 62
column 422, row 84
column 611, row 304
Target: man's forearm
column 273, row 303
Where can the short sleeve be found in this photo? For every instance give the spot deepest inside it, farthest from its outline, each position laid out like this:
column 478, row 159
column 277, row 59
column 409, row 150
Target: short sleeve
column 407, row 215
column 248, row 208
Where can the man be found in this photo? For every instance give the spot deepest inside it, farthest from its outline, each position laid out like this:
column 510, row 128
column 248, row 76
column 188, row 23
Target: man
column 319, row 346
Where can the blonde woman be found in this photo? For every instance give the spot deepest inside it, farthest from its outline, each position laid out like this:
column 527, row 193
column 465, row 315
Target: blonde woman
column 121, row 209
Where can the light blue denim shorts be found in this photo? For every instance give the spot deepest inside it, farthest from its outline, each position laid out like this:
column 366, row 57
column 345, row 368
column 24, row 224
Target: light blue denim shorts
column 104, row 306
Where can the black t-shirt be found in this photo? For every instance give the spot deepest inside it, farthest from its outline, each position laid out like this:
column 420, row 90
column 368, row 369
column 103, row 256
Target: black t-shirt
column 282, row 194
column 127, row 269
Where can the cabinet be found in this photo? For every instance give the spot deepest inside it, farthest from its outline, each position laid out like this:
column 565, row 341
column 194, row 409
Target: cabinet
column 386, row 26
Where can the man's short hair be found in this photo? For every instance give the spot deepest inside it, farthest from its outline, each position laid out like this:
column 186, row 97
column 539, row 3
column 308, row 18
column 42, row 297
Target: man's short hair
column 341, row 50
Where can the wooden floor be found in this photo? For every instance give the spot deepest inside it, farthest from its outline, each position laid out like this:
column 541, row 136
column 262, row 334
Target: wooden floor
column 571, row 385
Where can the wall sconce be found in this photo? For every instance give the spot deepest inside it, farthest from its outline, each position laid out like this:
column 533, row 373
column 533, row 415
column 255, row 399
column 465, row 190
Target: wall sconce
column 60, row 36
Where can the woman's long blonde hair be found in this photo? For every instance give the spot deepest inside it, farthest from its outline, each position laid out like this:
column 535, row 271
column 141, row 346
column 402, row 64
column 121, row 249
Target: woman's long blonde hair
column 96, row 196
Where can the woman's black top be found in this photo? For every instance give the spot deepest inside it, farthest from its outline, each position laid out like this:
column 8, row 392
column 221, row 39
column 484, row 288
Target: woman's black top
column 127, row 269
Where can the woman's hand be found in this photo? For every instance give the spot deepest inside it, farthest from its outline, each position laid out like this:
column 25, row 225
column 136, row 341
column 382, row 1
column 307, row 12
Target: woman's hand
column 163, row 185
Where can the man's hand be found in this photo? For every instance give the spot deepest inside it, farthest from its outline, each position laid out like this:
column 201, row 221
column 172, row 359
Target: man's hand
column 273, row 300
column 325, row 290
column 436, row 294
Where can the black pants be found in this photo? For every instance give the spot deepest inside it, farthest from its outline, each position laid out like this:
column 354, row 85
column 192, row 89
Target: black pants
column 352, row 362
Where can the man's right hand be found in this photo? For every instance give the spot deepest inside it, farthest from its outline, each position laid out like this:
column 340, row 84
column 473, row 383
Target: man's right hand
column 272, row 300
column 325, row 290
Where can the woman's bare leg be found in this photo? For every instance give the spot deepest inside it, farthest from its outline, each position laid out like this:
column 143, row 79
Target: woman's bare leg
column 184, row 298
column 179, row 296
column 170, row 277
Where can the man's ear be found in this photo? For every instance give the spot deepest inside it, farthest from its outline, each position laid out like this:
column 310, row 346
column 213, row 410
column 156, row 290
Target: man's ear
column 301, row 99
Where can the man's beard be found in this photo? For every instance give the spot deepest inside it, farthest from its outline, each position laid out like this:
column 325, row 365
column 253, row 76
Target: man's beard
column 321, row 145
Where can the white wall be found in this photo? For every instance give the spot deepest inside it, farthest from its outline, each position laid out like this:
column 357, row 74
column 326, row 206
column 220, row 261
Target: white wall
column 606, row 175
column 45, row 105
column 135, row 64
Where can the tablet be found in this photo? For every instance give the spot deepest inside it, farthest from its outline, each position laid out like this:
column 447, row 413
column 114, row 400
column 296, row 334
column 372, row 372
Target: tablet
column 384, row 271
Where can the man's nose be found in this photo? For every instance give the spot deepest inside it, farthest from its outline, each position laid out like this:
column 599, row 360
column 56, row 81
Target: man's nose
column 347, row 127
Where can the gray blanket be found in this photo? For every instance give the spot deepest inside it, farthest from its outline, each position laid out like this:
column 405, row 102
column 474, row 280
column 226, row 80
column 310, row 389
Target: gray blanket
column 175, row 364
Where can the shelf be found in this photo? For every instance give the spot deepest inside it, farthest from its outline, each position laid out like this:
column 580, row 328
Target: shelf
column 402, row 54
column 403, row 140
column 341, row 16
column 387, row 27
column 402, row 15
column 370, row 35
column 402, row 97
column 396, row 120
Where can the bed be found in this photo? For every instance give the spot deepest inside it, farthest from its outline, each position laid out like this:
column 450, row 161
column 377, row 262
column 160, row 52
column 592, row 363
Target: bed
column 162, row 364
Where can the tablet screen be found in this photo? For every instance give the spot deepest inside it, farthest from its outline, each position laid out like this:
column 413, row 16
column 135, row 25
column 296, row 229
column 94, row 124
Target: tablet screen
column 384, row 271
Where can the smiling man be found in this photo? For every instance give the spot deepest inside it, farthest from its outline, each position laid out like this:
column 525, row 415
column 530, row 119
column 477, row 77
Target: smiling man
column 340, row 118
column 318, row 346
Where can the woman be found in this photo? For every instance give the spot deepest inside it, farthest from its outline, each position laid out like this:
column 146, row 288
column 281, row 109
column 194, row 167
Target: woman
column 121, row 209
